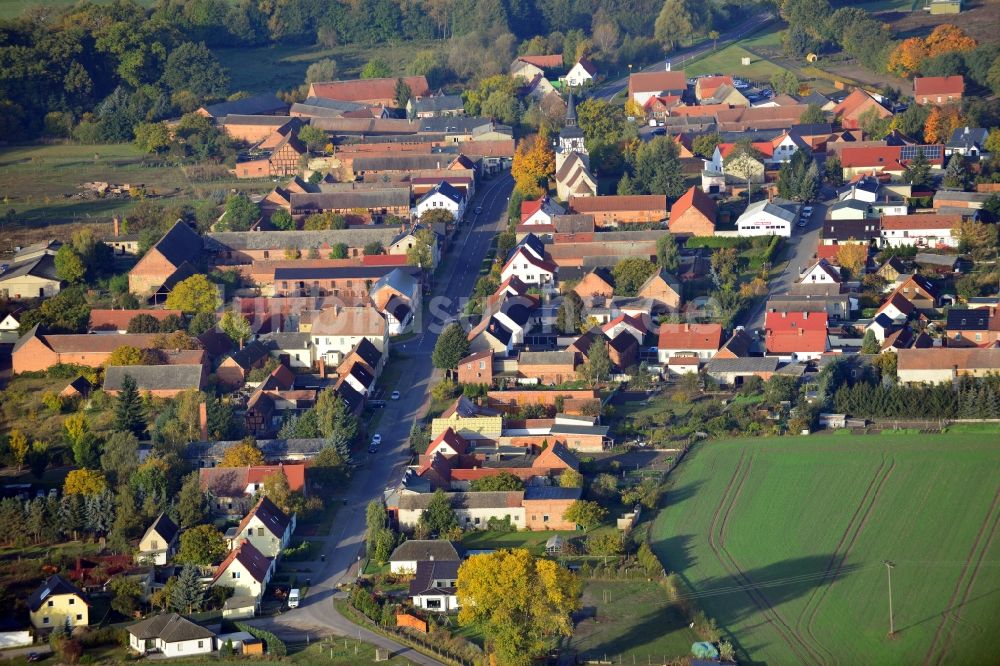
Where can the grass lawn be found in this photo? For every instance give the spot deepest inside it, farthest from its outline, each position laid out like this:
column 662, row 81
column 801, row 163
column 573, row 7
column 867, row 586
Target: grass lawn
column 628, row 620
column 38, row 181
column 284, row 67
column 782, row 541
column 533, row 541
column 727, row 60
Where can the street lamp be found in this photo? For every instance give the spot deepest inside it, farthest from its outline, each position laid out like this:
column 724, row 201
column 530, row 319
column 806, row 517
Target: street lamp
column 630, row 69
column 888, row 571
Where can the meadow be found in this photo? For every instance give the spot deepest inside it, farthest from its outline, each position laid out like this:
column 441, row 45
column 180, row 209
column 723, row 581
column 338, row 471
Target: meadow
column 782, row 541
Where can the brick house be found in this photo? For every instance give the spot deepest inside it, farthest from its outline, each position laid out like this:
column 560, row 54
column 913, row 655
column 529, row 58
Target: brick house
column 36, row 351
column 612, row 211
column 233, row 369
column 476, row 368
column 595, row 286
column 694, row 213
column 359, row 207
column 663, row 289
column 545, row 506
column 170, row 260
column 938, row 89
column 376, row 92
column 688, row 340
column 161, row 381
column 548, row 367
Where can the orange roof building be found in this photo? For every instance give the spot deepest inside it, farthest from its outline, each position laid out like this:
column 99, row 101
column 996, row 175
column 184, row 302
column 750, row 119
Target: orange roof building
column 938, row 89
column 377, row 92
column 688, row 340
column 694, row 213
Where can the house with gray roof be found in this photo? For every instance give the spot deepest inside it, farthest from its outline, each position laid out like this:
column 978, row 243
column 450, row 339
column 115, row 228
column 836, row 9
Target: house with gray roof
column 435, row 106
column 255, row 105
column 969, row 142
column 768, row 218
column 405, row 557
column 171, row 635
column 31, row 278
column 162, row 381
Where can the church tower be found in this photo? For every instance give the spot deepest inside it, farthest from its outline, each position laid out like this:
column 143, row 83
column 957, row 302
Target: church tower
column 571, row 138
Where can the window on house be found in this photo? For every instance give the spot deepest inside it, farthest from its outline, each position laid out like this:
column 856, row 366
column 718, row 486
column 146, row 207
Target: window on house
column 79, row 617
column 267, row 254
column 45, row 620
column 72, row 601
column 51, row 604
column 260, row 531
column 545, row 519
column 154, row 544
column 236, row 574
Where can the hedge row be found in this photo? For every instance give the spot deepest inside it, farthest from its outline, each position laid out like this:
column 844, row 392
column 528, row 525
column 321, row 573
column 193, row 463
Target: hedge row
column 275, row 646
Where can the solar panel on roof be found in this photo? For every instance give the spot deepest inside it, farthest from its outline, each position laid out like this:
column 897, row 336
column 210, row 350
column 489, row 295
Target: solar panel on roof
column 910, row 152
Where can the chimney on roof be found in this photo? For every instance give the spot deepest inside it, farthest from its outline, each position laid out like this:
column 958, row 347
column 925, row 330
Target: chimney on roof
column 687, row 328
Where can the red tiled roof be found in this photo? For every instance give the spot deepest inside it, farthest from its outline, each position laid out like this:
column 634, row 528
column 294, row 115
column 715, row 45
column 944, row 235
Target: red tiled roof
column 252, row 559
column 544, row 264
column 452, row 439
column 938, row 85
column 803, row 341
column 694, row 198
column 635, row 202
column 792, row 322
column 384, row 260
column 900, row 302
column 690, row 336
column 543, row 61
column 920, row 221
column 362, row 90
column 709, row 84
column 117, row 320
column 765, row 148
column 656, row 82
column 529, row 208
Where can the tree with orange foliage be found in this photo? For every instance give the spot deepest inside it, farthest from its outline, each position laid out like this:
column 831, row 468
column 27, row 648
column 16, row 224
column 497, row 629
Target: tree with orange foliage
column 941, row 123
column 534, row 162
column 948, row 38
column 908, row 57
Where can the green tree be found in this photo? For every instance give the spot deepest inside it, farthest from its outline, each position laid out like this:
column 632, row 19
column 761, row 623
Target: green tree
column 275, row 487
column 314, row 138
column 870, row 343
column 421, row 253
column 586, row 514
column 194, row 295
column 402, row 94
column 193, row 67
column 202, row 322
column 676, row 22
column 187, row 594
column 570, row 314
column 705, row 144
column 374, row 248
column 127, row 595
column 191, row 503
column 240, row 214
column 785, row 82
column 69, row 265
column 814, row 114
column 322, row 70
column 282, row 220
column 236, row 327
column 130, row 413
column 202, row 545
column 384, row 543
column 152, row 137
column 668, row 255
column 339, row 251
column 121, row 456
column 570, row 478
column 143, row 323
column 744, row 161
column 630, row 274
column 439, row 517
column 520, row 602
column 598, row 363
column 956, row 176
column 376, row 68
column 501, row 481
column 332, row 417
column 451, row 347
column 918, row 171
column 658, row 168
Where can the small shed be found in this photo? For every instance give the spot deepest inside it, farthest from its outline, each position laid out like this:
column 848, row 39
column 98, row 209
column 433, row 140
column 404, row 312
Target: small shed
column 238, row 638
column 704, row 650
column 78, row 388
column 554, row 545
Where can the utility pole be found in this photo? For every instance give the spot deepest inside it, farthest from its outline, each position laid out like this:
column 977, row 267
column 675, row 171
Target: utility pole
column 888, row 571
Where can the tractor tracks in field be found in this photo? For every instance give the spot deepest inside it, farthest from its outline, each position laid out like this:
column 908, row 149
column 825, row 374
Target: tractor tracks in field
column 843, row 549
column 951, row 616
column 716, row 541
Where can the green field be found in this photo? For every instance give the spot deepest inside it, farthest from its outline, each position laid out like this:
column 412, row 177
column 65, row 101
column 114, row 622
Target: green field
column 629, row 620
column 782, row 542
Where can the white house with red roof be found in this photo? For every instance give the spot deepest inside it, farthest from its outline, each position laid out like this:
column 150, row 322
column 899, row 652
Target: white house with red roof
column 266, row 527
column 582, row 73
column 688, row 340
column 528, row 264
column 643, row 85
column 539, row 211
column 630, row 324
column 920, row 229
column 796, row 336
column 448, row 443
column 821, row 272
column 246, row 570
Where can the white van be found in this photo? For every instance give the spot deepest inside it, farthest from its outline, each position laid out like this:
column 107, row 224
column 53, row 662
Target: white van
column 293, row 598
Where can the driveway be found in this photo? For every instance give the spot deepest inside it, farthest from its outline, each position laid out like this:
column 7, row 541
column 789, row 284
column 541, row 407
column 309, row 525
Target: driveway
column 799, row 250
column 344, row 547
column 678, row 58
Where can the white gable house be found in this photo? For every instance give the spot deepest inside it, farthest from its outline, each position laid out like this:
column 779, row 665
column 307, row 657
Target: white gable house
column 583, row 72
column 765, row 218
column 444, row 196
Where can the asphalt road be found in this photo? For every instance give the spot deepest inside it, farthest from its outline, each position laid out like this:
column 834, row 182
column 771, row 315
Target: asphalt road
column 679, row 57
column 316, row 616
column 799, row 250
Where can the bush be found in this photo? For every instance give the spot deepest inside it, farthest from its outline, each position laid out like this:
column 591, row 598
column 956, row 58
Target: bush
column 275, row 646
column 608, row 543
column 495, row 524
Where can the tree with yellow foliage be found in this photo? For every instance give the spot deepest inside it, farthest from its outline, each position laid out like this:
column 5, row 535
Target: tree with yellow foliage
column 942, row 121
column 84, row 482
column 909, row 56
column 523, row 603
column 242, row 454
column 978, row 238
column 534, row 163
column 852, row 257
column 19, row 447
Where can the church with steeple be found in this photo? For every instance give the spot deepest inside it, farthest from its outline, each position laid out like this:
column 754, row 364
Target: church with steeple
column 573, row 177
